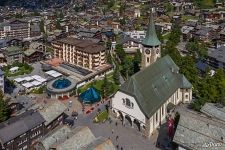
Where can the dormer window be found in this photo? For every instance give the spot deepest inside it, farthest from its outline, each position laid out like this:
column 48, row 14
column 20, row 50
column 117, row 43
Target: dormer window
column 128, row 103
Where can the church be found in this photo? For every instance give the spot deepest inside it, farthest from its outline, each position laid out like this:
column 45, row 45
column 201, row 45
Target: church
column 143, row 100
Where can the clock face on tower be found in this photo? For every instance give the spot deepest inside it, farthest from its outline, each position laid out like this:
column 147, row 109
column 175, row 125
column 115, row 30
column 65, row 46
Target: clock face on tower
column 147, row 51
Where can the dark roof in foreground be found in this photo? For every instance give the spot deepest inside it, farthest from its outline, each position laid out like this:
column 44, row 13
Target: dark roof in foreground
column 214, row 110
column 79, row 138
column 100, row 144
column 16, row 126
column 153, row 85
column 196, row 131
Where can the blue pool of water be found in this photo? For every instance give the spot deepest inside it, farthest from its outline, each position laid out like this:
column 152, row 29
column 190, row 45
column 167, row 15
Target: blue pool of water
column 61, row 83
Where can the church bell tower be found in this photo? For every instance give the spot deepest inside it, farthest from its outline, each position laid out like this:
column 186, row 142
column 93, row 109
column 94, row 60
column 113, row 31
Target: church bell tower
column 151, row 46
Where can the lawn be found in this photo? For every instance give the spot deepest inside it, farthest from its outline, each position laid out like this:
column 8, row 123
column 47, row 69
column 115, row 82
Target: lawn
column 205, row 4
column 166, row 36
column 101, row 117
column 24, row 68
column 187, row 17
column 98, row 84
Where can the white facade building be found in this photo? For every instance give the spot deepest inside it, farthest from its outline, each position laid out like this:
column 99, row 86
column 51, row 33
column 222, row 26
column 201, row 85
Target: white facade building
column 143, row 100
column 137, row 35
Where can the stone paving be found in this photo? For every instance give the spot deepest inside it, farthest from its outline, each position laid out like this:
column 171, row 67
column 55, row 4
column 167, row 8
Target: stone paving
column 128, row 138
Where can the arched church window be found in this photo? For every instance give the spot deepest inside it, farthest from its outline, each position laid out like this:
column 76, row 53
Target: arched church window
column 123, row 101
column 156, row 117
column 148, row 60
column 128, row 102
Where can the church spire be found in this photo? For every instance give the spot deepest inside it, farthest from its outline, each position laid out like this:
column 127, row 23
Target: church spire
column 151, row 38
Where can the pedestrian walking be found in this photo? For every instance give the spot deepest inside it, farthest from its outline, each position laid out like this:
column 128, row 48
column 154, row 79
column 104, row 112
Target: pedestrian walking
column 116, row 123
column 112, row 131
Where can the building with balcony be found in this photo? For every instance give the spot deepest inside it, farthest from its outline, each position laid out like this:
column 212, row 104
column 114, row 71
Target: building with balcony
column 83, row 53
column 216, row 58
column 22, row 131
column 14, row 29
column 13, row 54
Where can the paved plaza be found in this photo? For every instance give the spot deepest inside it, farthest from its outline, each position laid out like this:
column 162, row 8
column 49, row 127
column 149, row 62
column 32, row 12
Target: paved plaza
column 123, row 137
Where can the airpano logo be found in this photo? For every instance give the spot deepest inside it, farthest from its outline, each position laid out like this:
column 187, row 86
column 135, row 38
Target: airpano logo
column 212, row 144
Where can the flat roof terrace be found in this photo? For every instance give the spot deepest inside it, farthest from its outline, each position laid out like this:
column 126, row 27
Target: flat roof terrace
column 75, row 69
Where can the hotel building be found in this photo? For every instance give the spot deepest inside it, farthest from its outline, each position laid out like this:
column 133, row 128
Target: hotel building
column 84, row 53
column 14, row 29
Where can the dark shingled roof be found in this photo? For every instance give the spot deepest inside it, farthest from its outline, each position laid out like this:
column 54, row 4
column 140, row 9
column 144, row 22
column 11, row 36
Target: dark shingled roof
column 214, row 110
column 19, row 125
column 100, row 143
column 153, row 86
column 87, row 46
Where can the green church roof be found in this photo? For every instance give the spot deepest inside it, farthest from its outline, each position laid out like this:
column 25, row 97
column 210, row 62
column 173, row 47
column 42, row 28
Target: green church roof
column 151, row 38
column 154, row 85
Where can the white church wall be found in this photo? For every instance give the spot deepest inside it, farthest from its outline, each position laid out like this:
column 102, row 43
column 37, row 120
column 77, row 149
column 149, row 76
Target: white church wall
column 135, row 111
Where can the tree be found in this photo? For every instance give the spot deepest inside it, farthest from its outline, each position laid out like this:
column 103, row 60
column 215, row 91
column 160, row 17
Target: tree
column 61, row 16
column 120, row 52
column 110, row 4
column 122, row 8
column 122, row 21
column 4, row 109
column 41, row 26
column 108, row 45
column 116, row 75
column 159, row 35
column 105, row 88
column 18, row 15
column 169, row 7
column 197, row 48
column 109, row 58
column 36, row 13
column 137, row 61
column 128, row 67
column 57, row 24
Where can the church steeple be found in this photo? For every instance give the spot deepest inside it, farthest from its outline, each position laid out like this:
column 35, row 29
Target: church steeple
column 151, row 38
column 151, row 46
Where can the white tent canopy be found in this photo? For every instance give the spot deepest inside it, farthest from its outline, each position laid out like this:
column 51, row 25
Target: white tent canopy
column 31, row 81
column 18, row 80
column 53, row 73
column 39, row 78
column 35, row 83
column 27, row 85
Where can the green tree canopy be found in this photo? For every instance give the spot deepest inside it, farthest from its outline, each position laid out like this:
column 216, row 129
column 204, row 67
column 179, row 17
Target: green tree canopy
column 105, row 88
column 4, row 109
column 116, row 75
column 41, row 26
